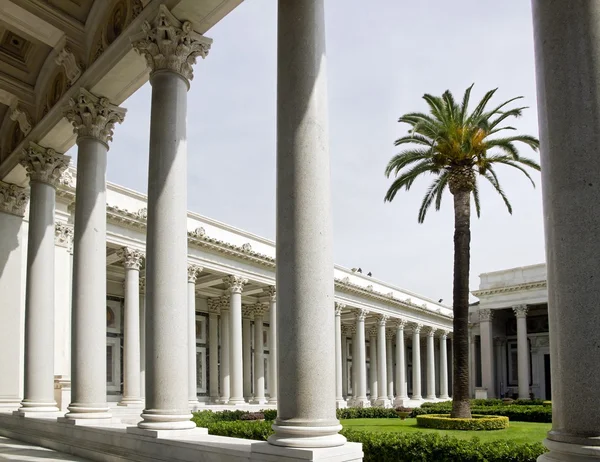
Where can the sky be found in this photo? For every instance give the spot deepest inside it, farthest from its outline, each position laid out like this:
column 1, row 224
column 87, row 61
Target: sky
column 382, row 56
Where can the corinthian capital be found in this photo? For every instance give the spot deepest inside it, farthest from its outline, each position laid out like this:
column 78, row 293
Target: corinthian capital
column 193, row 272
column 93, row 117
column 338, row 308
column 485, row 314
column 272, row 293
column 360, row 314
column 13, row 199
column 63, row 234
column 168, row 44
column 382, row 319
column 44, row 165
column 236, row 284
column 132, row 259
column 520, row 311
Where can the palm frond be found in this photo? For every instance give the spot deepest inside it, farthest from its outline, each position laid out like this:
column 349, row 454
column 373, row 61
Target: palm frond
column 493, row 180
column 476, row 199
column 404, row 158
column 414, row 139
column 464, row 107
column 406, row 180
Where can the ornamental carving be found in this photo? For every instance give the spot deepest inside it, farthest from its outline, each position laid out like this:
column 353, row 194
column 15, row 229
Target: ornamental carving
column 361, row 314
column 401, row 323
column 142, row 213
column 44, row 165
column 20, row 115
column 373, row 331
column 345, row 328
column 247, row 311
column 382, row 319
column 122, row 14
column 236, row 284
column 13, row 199
column 193, row 271
column 142, row 283
column 224, row 302
column 67, row 60
column 197, row 233
column 272, row 293
column 214, row 305
column 338, row 308
column 390, row 334
column 168, row 44
column 443, row 334
column 416, row 328
column 67, row 180
column 132, row 258
column 520, row 311
column 247, row 247
column 94, row 117
column 259, row 310
column 430, row 331
column 63, row 234
column 485, row 315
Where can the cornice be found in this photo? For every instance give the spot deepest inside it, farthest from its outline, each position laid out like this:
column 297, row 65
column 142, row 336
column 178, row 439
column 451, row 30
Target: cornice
column 509, row 289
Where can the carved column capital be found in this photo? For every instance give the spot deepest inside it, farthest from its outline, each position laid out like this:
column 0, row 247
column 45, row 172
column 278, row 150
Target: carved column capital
column 259, row 310
column 272, row 293
column 444, row 334
column 430, row 331
column 13, row 199
column 247, row 311
column 389, row 334
column 360, row 314
column 214, row 305
column 520, row 311
column 416, row 328
column 132, row 258
column 401, row 323
column 373, row 331
column 142, row 284
column 93, row 117
column 224, row 302
column 169, row 44
column 338, row 308
column 63, row 234
column 193, row 271
column 382, row 319
column 485, row 314
column 236, row 284
column 44, row 165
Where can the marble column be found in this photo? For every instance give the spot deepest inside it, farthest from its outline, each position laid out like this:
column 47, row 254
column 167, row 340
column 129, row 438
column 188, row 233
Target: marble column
column 142, row 327
column 401, row 385
column 259, row 356
column 339, row 398
column 500, row 383
column 567, row 46
column 44, row 168
column 225, row 343
column 247, row 315
column 416, row 361
column 236, row 361
column 214, row 308
column 273, row 375
column 373, row 364
column 93, row 120
column 192, row 273
column 431, row 363
column 170, row 63
column 345, row 333
column 443, row 365
column 389, row 356
column 382, row 392
column 361, row 366
column 306, row 408
column 354, row 362
column 522, row 351
column 132, row 262
column 487, row 350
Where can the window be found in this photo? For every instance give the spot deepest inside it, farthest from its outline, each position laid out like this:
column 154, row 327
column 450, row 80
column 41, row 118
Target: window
column 113, row 364
column 201, row 370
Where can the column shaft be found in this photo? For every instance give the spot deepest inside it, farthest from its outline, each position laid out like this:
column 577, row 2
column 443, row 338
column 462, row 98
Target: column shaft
column 345, row 380
column 382, row 363
column 213, row 350
column 225, row 373
column 339, row 399
column 192, row 371
column 306, row 408
column 272, row 346
column 443, row 367
column 522, row 352
column 259, row 358
column 389, row 355
column 142, row 324
column 236, row 361
column 247, row 352
column 431, row 364
column 487, row 350
column 373, row 376
column 416, row 363
column 401, row 388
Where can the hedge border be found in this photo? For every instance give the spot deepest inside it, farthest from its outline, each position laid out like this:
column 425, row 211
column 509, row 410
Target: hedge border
column 476, row 423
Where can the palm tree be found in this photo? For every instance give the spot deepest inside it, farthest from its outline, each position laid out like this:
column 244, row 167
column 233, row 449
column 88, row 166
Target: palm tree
column 458, row 148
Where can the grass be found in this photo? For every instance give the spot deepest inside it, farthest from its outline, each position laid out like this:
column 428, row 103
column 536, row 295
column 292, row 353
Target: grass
column 519, row 432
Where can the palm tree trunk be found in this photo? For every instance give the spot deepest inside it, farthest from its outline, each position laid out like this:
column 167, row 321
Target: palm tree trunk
column 461, row 407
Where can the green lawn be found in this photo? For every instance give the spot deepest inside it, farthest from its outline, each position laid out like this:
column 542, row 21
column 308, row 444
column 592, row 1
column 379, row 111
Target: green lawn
column 520, row 432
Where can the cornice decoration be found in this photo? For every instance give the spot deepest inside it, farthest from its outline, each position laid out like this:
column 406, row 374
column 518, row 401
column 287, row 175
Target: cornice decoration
column 214, row 305
column 13, row 199
column 259, row 310
column 382, row 320
column 63, row 234
column 338, row 308
column 485, row 314
column 247, row 247
column 66, row 180
column 142, row 213
column 20, row 115
column 132, row 258
column 271, row 292
column 515, row 288
column 168, row 44
column 236, row 283
column 360, row 314
column 93, row 117
column 247, row 311
column 67, row 60
column 44, row 165
column 520, row 311
column 193, row 271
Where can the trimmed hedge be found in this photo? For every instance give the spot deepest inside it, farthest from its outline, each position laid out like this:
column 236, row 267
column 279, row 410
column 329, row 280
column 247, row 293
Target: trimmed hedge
column 366, row 413
column 478, row 422
column 515, row 412
column 405, row 447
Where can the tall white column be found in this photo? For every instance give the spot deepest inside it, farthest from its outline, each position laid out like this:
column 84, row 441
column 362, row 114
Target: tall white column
column 500, row 382
column 416, row 361
column 259, row 356
column 522, row 351
column 170, row 63
column 345, row 333
column 339, row 398
column 142, row 328
column 247, row 315
column 443, row 365
column 306, row 408
column 487, row 350
column 373, row 376
column 132, row 261
column 44, row 168
column 401, row 386
column 568, row 78
column 236, row 361
column 214, row 308
column 382, row 395
column 93, row 120
column 225, row 343
column 273, row 375
column 361, row 360
column 355, row 367
column 431, row 363
column 192, row 272
column 389, row 357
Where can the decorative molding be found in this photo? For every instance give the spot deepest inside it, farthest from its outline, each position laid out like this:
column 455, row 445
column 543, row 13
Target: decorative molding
column 63, row 234
column 401, row 323
column 271, row 293
column 193, row 271
column 508, row 289
column 20, row 115
column 430, row 331
column 67, row 60
column 93, row 117
column 247, row 247
column 236, row 284
column 338, row 308
column 373, row 331
column 247, row 311
column 44, row 165
column 197, row 233
column 360, row 314
column 485, row 315
column 168, row 44
column 416, row 328
column 132, row 258
column 13, row 199
column 214, row 305
column 142, row 213
column 382, row 319
column 259, row 309
column 520, row 311
column 390, row 334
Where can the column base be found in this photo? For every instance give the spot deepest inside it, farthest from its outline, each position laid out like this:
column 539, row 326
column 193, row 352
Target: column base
column 262, row 400
column 306, row 436
column 430, row 398
column 131, row 402
column 194, row 404
column 272, row 401
column 401, row 401
column 222, row 401
column 38, row 413
column 416, row 398
column 155, row 433
column 87, row 411
column 158, row 419
column 444, row 397
column 348, row 452
column 341, row 403
column 29, row 407
column 236, row 402
column 383, row 402
column 360, row 402
column 586, row 451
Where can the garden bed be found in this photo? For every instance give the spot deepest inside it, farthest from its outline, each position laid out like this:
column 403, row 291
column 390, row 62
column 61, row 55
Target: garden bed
column 476, row 423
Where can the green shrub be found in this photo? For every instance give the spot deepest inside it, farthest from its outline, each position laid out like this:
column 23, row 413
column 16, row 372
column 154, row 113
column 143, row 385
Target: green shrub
column 515, row 412
column 478, row 422
column 270, row 414
column 250, row 430
column 367, row 413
